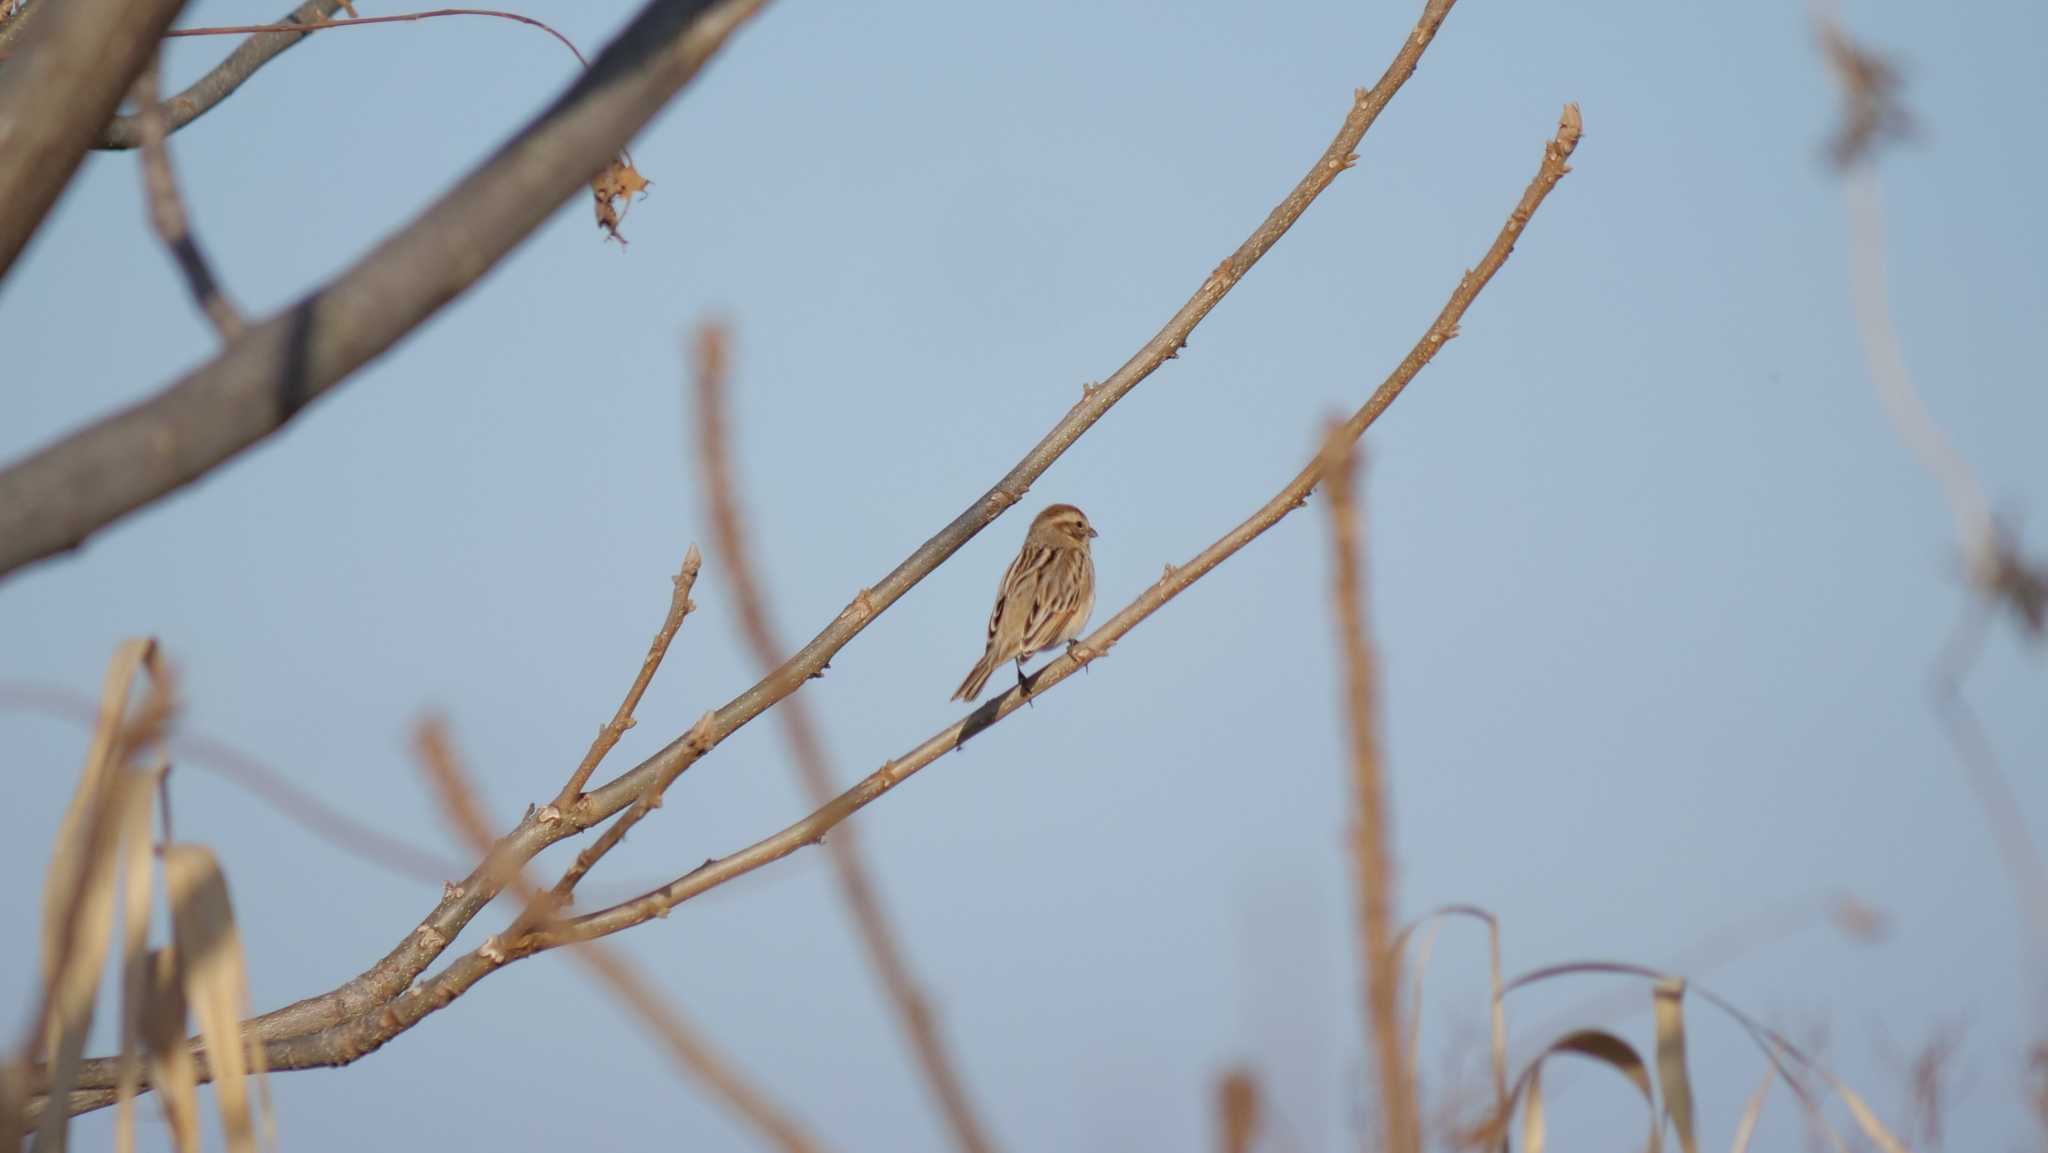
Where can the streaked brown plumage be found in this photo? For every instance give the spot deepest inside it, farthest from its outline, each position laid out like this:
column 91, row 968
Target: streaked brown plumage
column 1045, row 597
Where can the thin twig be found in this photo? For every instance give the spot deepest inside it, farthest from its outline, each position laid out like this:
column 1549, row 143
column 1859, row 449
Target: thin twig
column 400, row 18
column 692, row 1054
column 167, row 211
column 221, row 81
column 813, row 827
column 571, row 795
column 332, row 1025
column 885, row 951
column 1371, row 836
column 679, row 606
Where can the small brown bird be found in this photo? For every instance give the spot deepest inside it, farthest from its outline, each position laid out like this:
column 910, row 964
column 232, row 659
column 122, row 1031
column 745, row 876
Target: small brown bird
column 1045, row 598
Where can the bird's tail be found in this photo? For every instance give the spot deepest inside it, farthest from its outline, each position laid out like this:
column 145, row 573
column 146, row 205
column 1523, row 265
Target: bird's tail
column 977, row 677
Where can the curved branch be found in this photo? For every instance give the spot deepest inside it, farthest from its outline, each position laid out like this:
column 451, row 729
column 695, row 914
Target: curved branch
column 384, row 995
column 199, row 98
column 81, row 58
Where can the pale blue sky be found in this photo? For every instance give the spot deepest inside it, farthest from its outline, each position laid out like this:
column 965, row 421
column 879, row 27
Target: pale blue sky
column 1657, row 590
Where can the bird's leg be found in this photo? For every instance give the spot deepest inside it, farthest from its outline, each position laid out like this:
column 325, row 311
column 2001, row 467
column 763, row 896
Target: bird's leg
column 1081, row 654
column 1023, row 685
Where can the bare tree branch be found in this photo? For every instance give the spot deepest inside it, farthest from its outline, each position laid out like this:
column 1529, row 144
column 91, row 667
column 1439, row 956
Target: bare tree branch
column 200, row 97
column 691, row 1052
column 339, row 1025
column 679, row 606
column 812, row 828
column 56, row 498
column 55, row 93
column 1371, row 840
column 885, row 950
column 167, row 212
column 350, row 1038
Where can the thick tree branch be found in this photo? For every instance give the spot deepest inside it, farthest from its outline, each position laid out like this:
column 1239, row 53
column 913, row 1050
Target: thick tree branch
column 857, row 886
column 56, row 92
column 342, row 1024
column 55, row 499
column 201, row 95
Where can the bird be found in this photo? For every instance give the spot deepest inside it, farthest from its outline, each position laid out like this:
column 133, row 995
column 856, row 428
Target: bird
column 1045, row 598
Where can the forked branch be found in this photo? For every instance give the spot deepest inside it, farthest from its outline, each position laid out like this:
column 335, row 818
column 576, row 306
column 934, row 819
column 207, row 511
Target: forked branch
column 812, row 828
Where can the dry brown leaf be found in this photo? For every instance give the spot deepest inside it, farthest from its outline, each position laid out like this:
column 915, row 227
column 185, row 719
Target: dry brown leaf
column 171, row 1071
column 216, row 981
column 1672, row 1077
column 614, row 190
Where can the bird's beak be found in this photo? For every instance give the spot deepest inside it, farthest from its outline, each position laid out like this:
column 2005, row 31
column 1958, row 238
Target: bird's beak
column 1092, row 533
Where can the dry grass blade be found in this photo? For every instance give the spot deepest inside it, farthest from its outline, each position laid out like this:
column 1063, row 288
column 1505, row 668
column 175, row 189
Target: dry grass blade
column 1498, row 1019
column 216, row 983
column 171, row 1069
column 1672, row 1077
column 1866, row 1120
column 138, row 860
column 1498, row 1016
column 1372, row 855
column 1773, row 1045
column 1424, row 950
column 1593, row 1044
column 67, row 861
column 1745, row 1127
column 79, row 892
